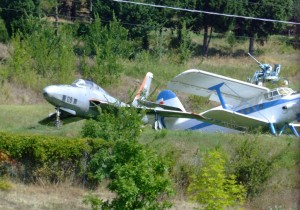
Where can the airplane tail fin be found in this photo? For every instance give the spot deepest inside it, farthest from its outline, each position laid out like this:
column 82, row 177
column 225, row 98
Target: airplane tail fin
column 144, row 89
column 169, row 98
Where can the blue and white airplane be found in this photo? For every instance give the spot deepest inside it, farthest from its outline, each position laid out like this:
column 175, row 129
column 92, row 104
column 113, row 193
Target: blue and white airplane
column 243, row 106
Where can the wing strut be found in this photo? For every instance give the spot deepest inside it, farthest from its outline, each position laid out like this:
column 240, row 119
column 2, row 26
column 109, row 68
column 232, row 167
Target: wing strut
column 290, row 126
column 217, row 89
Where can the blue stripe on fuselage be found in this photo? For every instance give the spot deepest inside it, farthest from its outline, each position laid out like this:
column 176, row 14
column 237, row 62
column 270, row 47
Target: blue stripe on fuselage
column 259, row 107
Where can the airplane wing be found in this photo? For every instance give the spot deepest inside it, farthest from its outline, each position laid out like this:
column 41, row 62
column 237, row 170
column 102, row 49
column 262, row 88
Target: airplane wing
column 65, row 116
column 199, row 82
column 226, row 118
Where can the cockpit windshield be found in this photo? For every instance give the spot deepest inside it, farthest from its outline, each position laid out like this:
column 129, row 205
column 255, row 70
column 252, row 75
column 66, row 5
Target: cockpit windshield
column 87, row 83
column 278, row 92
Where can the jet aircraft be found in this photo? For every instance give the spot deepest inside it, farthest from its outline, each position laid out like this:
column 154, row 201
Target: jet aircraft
column 243, row 106
column 83, row 98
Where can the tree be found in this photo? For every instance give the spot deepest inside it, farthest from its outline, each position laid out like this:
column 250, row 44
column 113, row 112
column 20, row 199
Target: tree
column 207, row 22
column 261, row 30
column 107, row 43
column 17, row 11
column 212, row 188
column 138, row 176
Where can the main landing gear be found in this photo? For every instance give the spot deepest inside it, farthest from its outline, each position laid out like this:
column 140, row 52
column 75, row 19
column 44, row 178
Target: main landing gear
column 157, row 125
column 286, row 125
column 57, row 117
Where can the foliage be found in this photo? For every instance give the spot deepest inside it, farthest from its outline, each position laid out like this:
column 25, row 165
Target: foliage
column 138, row 176
column 113, row 124
column 49, row 158
column 41, row 55
column 254, row 164
column 16, row 13
column 107, row 44
column 212, row 188
column 5, row 185
column 185, row 44
column 279, row 10
column 3, row 32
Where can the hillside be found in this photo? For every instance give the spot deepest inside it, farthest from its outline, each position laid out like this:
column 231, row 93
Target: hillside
column 22, row 106
column 185, row 148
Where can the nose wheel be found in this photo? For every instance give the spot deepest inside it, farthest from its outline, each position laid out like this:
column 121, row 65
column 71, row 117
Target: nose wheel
column 57, row 119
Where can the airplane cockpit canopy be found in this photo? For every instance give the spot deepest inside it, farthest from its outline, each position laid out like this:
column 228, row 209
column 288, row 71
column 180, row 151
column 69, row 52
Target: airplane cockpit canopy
column 278, row 92
column 87, row 83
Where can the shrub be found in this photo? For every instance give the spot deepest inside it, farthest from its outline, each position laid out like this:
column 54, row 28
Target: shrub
column 254, row 164
column 113, row 124
column 138, row 176
column 212, row 188
column 49, row 158
column 3, row 32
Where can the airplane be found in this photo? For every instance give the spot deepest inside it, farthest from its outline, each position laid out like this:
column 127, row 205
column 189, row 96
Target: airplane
column 244, row 106
column 83, row 98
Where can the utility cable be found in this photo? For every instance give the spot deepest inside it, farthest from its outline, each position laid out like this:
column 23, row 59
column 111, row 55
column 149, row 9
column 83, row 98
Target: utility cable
column 206, row 12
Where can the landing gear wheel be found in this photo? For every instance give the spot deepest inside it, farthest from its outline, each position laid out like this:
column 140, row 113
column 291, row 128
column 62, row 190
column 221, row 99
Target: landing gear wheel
column 157, row 125
column 57, row 120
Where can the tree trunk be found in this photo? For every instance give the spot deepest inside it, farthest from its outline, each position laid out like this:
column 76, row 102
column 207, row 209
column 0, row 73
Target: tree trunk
column 251, row 45
column 208, row 42
column 205, row 38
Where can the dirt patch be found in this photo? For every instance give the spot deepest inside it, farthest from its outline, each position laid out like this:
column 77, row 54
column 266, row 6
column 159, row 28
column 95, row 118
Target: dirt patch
column 60, row 196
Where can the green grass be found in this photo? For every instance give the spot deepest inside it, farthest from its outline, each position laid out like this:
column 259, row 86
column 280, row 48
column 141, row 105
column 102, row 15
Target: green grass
column 24, row 119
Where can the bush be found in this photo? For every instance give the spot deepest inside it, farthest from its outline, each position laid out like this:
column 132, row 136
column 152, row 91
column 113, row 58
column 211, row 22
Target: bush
column 138, row 176
column 107, row 44
column 49, row 158
column 254, row 164
column 42, row 57
column 3, row 32
column 113, row 124
column 212, row 188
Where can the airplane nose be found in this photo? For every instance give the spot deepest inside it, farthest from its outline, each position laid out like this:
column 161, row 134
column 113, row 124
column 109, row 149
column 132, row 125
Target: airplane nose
column 49, row 91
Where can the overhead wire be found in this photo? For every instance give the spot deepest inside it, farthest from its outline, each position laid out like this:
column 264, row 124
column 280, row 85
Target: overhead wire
column 207, row 12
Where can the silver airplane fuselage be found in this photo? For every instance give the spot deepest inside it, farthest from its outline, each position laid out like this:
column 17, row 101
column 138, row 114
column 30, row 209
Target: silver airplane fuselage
column 78, row 97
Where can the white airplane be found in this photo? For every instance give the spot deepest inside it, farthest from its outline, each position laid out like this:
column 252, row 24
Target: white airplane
column 243, row 106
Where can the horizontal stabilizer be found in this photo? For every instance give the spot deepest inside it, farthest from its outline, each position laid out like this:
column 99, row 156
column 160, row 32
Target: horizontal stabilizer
column 153, row 105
